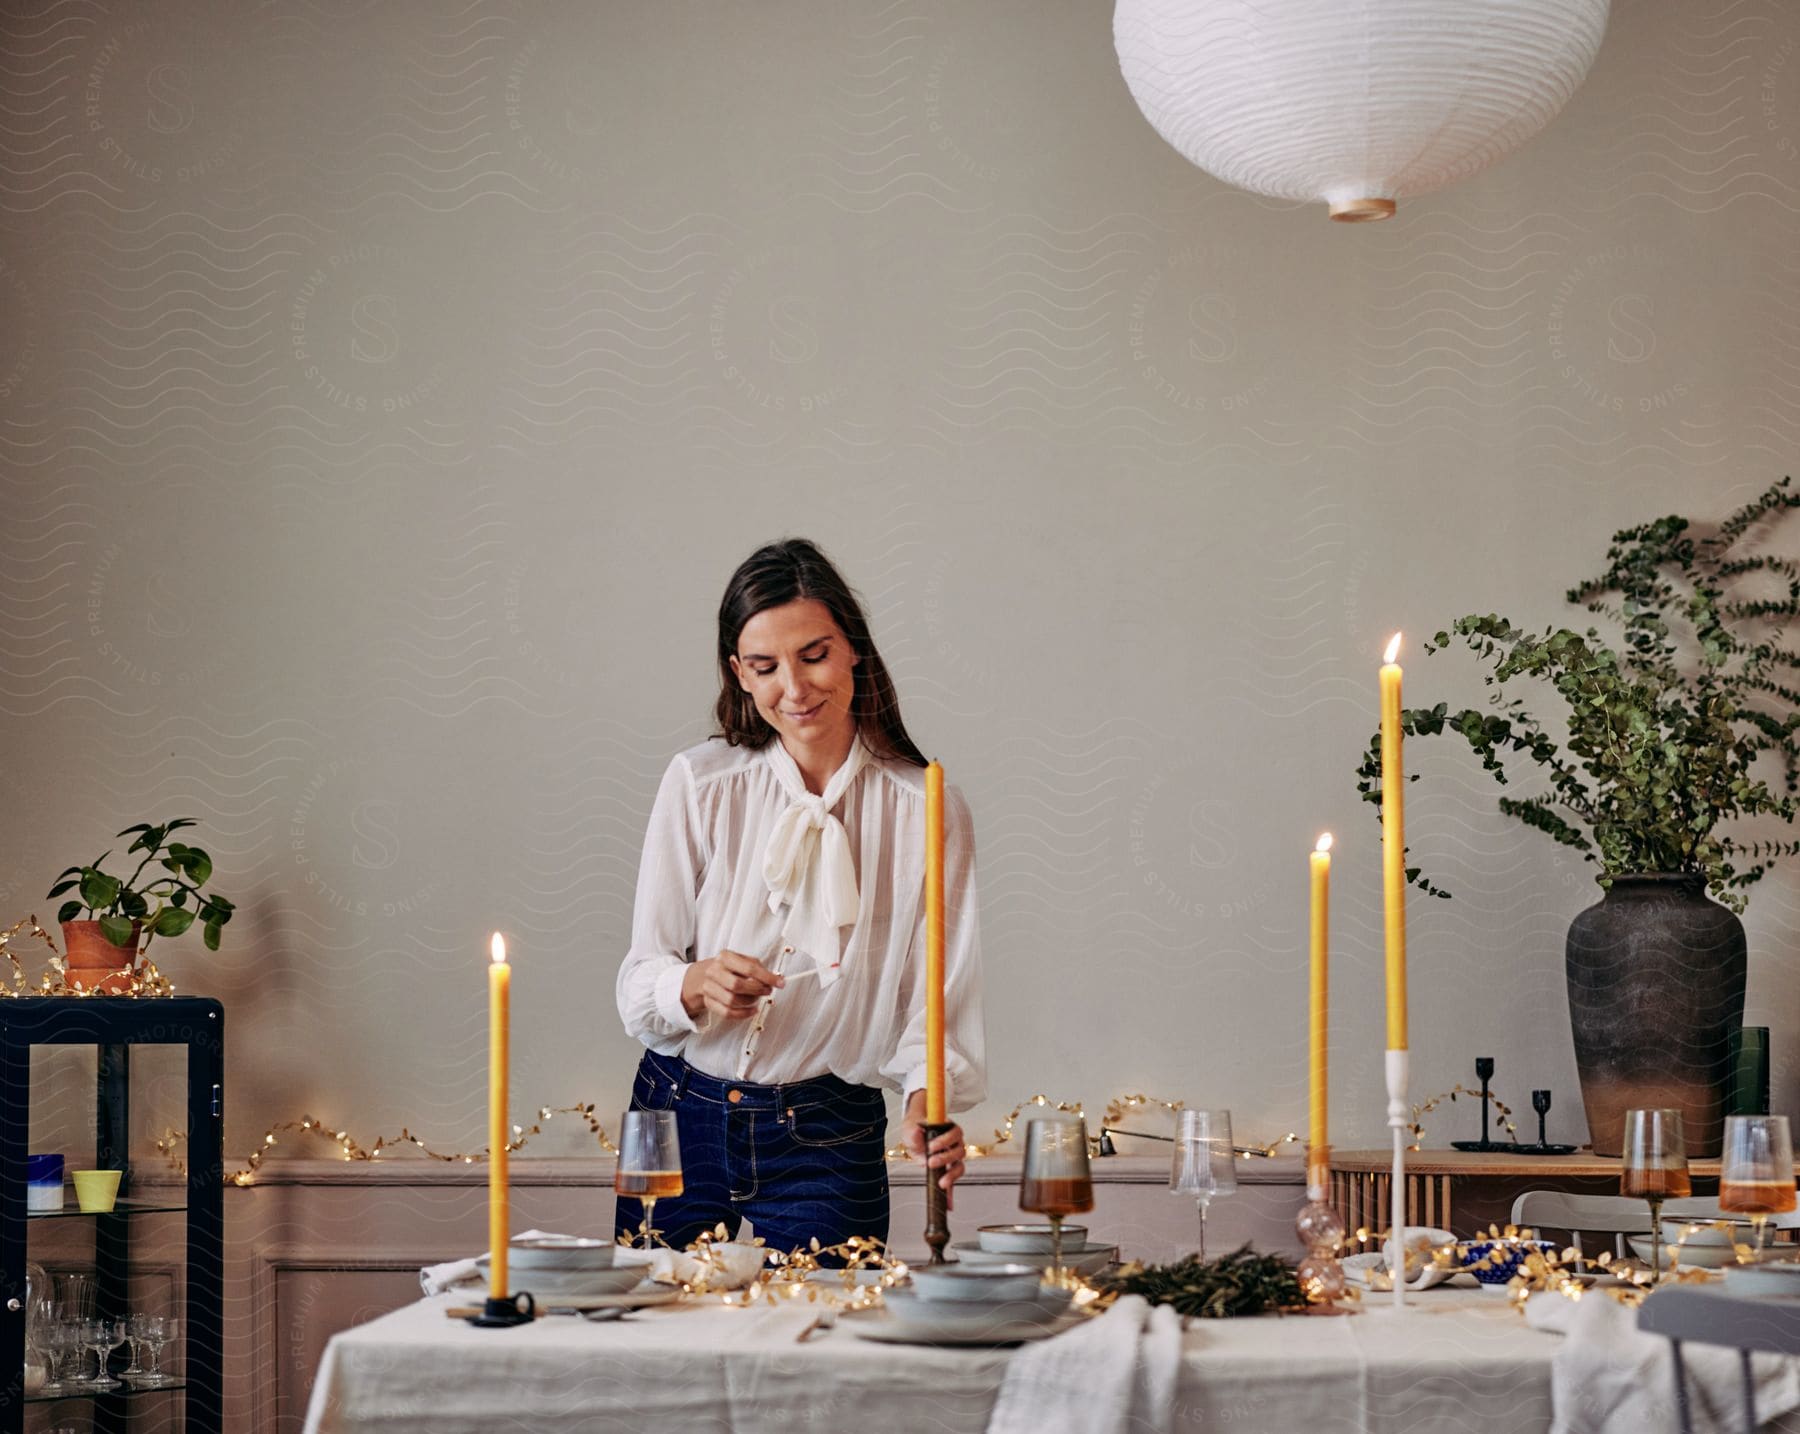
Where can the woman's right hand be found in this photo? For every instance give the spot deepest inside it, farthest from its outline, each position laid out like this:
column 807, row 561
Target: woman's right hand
column 730, row 985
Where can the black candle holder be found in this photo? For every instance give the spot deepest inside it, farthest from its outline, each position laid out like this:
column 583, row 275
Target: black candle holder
column 1484, row 1072
column 1540, row 1102
column 505, row 1314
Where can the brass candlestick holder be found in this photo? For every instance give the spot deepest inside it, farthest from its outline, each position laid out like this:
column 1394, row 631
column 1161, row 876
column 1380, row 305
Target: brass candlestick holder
column 937, row 1204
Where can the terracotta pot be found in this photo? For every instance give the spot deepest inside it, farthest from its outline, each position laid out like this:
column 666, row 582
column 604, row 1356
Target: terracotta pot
column 94, row 962
column 1656, row 987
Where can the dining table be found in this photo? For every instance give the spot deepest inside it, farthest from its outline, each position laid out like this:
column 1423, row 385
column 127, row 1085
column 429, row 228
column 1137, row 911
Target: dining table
column 1453, row 1358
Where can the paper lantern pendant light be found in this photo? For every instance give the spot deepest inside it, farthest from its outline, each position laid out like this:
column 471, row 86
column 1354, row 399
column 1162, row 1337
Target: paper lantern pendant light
column 1359, row 103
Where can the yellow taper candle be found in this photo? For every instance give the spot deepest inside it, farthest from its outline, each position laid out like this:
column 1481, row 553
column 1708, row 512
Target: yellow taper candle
column 934, row 945
column 499, row 1010
column 1393, row 848
column 1318, row 1001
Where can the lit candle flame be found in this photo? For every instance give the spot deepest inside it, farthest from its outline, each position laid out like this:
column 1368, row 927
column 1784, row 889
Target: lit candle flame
column 1324, row 843
column 1393, row 649
column 498, row 947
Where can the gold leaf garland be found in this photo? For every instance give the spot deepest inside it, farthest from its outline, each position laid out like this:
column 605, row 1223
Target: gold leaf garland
column 1425, row 1108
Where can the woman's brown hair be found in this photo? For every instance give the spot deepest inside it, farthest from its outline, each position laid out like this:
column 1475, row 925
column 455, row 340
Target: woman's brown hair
column 785, row 572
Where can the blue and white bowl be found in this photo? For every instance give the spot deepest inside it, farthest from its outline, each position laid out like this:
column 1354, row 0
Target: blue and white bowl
column 1508, row 1260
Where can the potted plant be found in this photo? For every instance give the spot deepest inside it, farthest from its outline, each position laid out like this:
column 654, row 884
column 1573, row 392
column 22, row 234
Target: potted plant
column 126, row 914
column 1672, row 731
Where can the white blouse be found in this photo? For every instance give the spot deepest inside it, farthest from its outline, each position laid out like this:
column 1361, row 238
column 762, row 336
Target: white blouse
column 705, row 886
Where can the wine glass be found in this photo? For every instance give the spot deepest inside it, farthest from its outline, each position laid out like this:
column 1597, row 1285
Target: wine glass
column 107, row 1336
column 1055, row 1180
column 57, row 1341
column 1756, row 1174
column 158, row 1331
column 1204, row 1165
column 134, row 1332
column 1655, row 1169
column 649, row 1163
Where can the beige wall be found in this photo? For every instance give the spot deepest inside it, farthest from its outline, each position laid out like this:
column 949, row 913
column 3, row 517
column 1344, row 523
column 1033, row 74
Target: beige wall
column 386, row 392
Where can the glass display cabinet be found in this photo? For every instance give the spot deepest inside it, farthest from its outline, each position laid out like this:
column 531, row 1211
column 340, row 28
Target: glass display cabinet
column 149, row 1270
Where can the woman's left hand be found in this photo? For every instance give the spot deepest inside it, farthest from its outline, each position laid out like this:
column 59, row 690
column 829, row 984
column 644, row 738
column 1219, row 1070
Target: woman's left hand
column 948, row 1153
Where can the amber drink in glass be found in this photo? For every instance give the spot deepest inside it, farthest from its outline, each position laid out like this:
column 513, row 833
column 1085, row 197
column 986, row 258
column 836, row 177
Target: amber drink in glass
column 1055, row 1180
column 1655, row 1169
column 1756, row 1173
column 649, row 1163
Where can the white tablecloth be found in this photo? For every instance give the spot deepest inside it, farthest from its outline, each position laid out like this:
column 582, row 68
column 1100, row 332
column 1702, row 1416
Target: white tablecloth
column 1458, row 1360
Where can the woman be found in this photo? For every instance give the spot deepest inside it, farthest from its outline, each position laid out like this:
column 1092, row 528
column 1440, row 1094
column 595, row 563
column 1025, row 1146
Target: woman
column 777, row 964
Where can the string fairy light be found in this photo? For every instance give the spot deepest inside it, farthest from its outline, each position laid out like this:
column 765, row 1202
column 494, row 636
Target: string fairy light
column 1117, row 1108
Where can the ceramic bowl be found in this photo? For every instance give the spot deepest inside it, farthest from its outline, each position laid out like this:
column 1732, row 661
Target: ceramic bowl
column 1508, row 1258
column 1028, row 1239
column 993, row 1283
column 1084, row 1260
column 1045, row 1305
column 561, row 1254
column 548, row 1285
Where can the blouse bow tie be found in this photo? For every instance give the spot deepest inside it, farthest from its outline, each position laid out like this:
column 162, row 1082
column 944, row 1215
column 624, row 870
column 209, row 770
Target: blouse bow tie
column 807, row 861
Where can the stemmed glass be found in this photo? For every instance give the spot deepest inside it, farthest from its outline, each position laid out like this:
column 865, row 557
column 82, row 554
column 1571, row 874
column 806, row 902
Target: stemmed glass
column 1655, row 1169
column 134, row 1332
column 649, row 1163
column 58, row 1341
column 1204, row 1164
column 106, row 1336
column 158, row 1330
column 1054, row 1180
column 1756, row 1174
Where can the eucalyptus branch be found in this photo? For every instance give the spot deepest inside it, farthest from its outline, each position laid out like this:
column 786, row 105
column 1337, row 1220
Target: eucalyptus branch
column 1664, row 726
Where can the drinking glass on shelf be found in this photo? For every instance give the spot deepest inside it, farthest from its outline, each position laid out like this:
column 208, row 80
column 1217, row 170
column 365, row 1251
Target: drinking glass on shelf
column 158, row 1331
column 1204, row 1164
column 1655, row 1169
column 108, row 1337
column 58, row 1337
column 134, row 1334
column 1756, row 1172
column 87, row 1338
column 649, row 1163
column 1055, row 1181
column 75, row 1295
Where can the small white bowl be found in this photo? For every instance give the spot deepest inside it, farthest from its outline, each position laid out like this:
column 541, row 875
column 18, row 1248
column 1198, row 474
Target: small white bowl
column 992, row 1283
column 1028, row 1239
column 563, row 1254
column 1707, row 1236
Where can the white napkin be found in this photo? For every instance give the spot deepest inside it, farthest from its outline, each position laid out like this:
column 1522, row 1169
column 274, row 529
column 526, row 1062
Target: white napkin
column 1610, row 1377
column 807, row 861
column 732, row 1266
column 1105, row 1376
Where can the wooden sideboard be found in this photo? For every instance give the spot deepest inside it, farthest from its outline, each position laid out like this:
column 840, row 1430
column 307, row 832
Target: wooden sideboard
column 1465, row 1192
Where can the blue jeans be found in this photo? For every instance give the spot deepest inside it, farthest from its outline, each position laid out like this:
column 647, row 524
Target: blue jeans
column 803, row 1160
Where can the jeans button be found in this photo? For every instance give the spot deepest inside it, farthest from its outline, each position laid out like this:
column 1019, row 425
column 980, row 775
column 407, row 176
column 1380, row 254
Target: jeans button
column 734, row 1096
